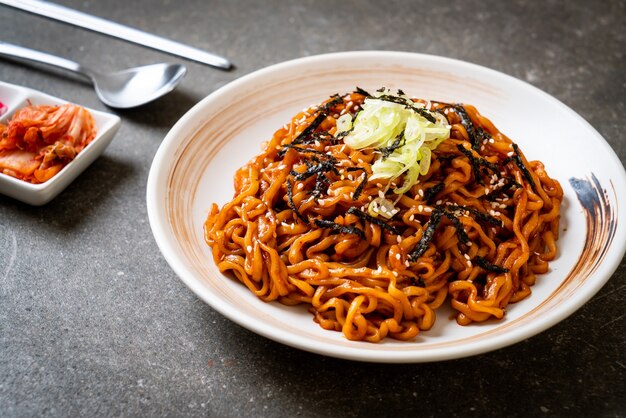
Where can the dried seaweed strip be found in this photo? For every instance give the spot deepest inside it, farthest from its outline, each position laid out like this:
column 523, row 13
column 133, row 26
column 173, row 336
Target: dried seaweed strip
column 476, row 134
column 486, row 265
column 409, row 105
column 480, row 216
column 335, row 100
column 291, row 203
column 477, row 163
column 517, row 159
column 427, row 236
column 310, row 129
column 473, row 162
column 360, row 187
column 321, row 183
column 363, row 92
column 313, row 169
column 345, row 229
column 397, row 143
column 433, row 191
column 460, row 230
column 364, row 216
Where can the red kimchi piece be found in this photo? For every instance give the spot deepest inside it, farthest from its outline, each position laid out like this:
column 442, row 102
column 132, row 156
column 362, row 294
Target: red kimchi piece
column 40, row 140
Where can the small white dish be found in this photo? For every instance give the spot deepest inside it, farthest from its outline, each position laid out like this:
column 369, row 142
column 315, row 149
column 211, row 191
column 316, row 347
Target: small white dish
column 15, row 97
column 195, row 164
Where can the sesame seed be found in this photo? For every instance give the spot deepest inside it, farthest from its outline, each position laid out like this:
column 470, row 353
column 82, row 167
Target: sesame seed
column 412, row 217
column 466, row 256
column 335, row 116
column 380, row 186
column 399, row 239
column 427, row 209
column 249, row 248
column 317, row 143
column 300, row 186
column 420, row 208
column 406, row 263
column 398, row 256
column 439, row 202
column 469, row 243
column 510, row 154
column 360, row 161
column 350, row 177
column 420, row 192
column 381, row 194
column 469, row 263
column 395, row 273
column 491, row 141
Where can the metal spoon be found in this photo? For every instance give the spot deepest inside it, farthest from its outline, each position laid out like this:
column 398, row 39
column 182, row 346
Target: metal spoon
column 121, row 89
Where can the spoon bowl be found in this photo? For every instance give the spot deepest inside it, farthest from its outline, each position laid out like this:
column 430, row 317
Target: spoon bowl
column 137, row 86
column 120, row 89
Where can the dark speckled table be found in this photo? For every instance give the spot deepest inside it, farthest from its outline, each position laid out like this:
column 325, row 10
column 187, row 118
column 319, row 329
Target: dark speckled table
column 93, row 322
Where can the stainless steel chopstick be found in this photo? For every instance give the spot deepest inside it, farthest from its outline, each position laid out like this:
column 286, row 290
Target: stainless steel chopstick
column 97, row 24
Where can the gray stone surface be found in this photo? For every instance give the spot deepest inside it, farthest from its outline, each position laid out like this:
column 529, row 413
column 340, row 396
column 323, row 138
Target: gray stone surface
column 93, row 322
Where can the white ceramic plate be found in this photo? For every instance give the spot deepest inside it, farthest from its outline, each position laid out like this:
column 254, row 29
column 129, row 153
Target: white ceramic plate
column 195, row 165
column 15, row 97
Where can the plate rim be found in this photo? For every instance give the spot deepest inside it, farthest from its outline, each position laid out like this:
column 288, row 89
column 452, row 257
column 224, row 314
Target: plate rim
column 608, row 265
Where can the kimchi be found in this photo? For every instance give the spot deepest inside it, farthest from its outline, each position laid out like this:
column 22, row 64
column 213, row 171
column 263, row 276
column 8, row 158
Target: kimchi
column 39, row 141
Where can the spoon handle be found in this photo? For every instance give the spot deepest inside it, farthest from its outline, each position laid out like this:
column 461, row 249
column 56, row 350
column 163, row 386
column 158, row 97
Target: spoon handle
column 107, row 27
column 38, row 56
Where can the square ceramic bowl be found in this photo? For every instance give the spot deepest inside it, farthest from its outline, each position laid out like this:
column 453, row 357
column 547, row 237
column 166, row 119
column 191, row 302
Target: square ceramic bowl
column 15, row 97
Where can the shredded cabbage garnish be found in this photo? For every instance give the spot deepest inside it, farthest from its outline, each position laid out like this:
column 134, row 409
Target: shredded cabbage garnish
column 381, row 122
